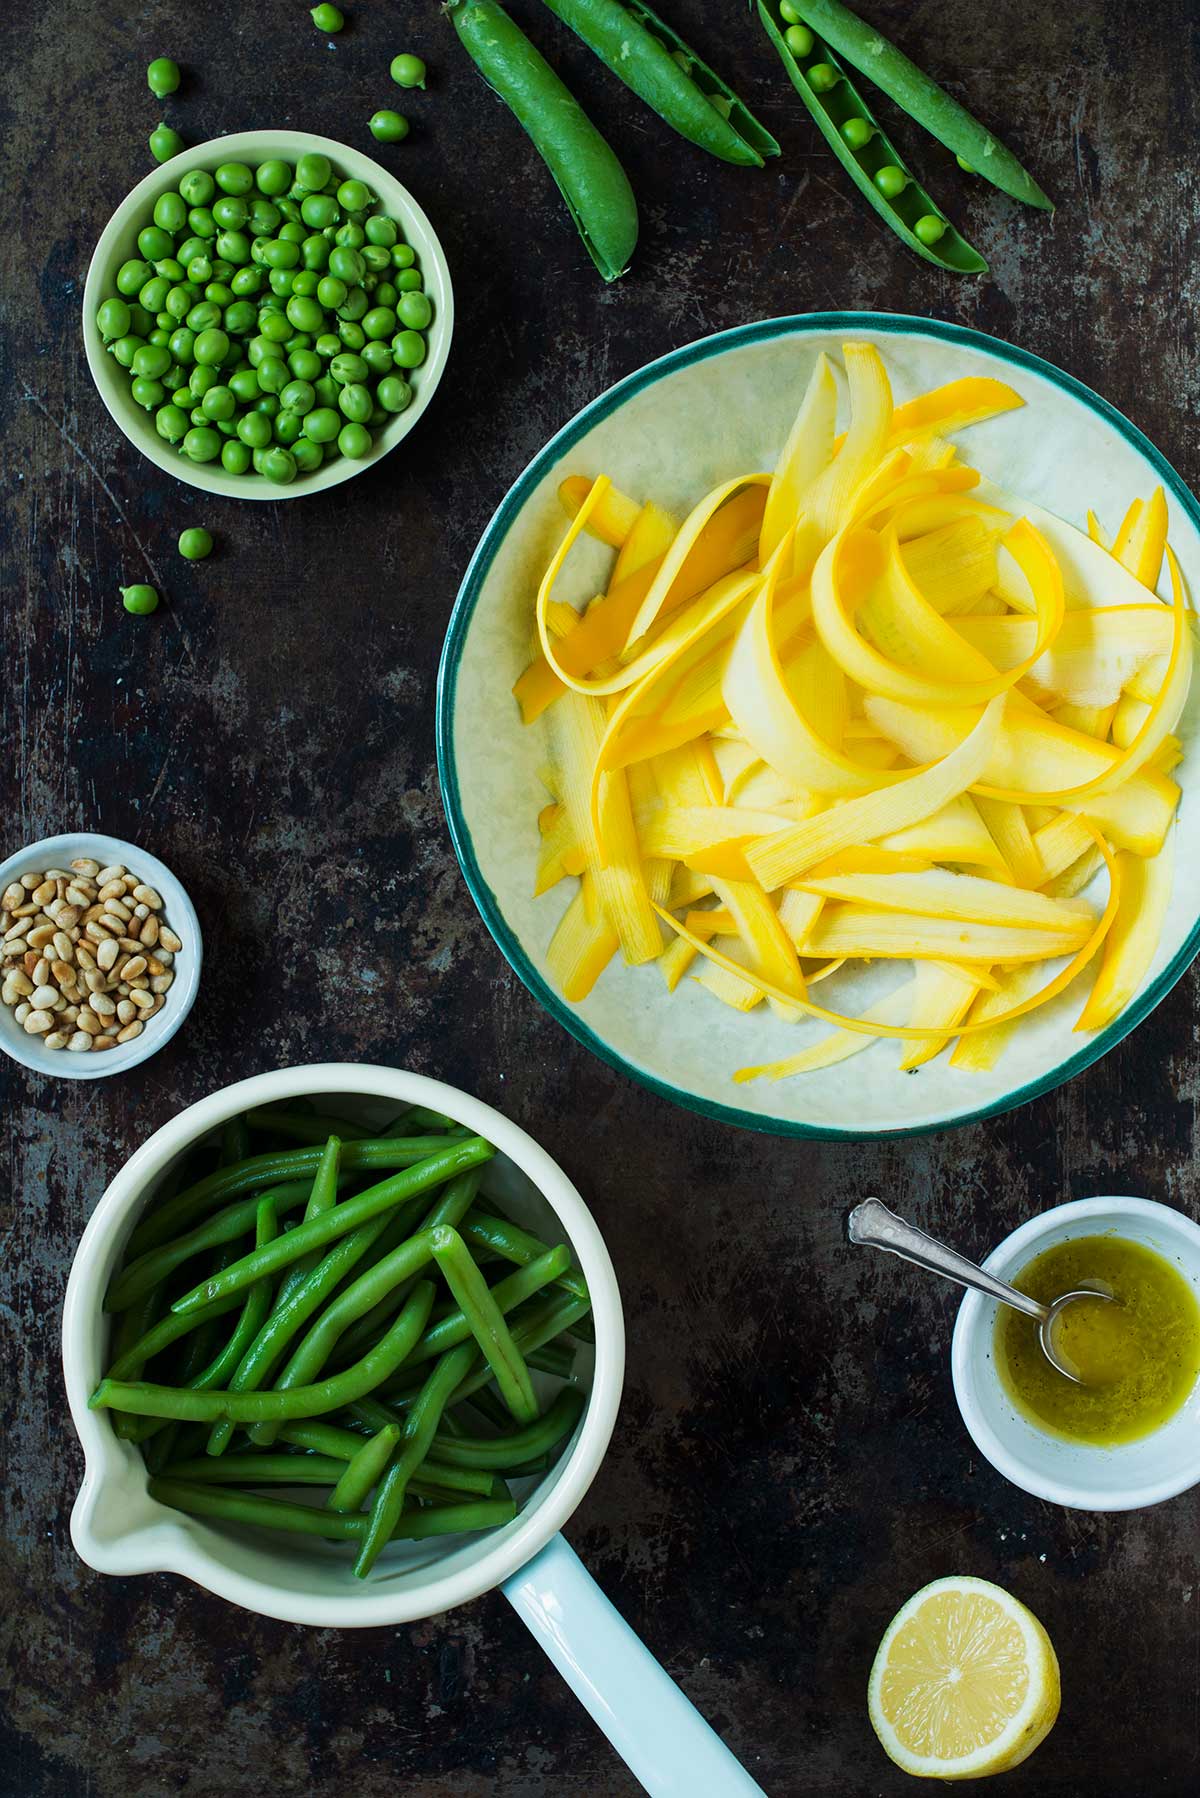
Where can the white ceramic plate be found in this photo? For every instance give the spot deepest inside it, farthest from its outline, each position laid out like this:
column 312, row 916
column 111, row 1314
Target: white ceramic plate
column 673, row 430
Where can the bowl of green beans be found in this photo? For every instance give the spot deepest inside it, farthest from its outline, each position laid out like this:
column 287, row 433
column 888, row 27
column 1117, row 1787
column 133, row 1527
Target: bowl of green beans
column 267, row 314
column 342, row 1345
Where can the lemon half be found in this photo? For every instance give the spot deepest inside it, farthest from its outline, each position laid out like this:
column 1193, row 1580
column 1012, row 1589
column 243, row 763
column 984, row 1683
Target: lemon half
column 965, row 1682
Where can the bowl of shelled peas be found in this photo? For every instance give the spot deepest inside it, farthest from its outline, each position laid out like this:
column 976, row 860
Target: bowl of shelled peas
column 267, row 314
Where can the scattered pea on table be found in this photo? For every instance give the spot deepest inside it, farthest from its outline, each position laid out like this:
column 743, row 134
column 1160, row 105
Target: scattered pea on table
column 195, row 543
column 162, row 77
column 165, row 142
column 388, row 127
column 326, row 17
column 140, row 599
column 408, row 71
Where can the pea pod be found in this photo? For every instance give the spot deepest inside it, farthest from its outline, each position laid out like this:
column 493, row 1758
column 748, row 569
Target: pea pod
column 832, row 108
column 921, row 97
column 641, row 49
column 587, row 172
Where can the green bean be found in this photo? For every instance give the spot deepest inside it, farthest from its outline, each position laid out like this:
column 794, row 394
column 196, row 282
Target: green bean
column 157, row 1452
column 325, row 1438
column 254, row 1309
column 542, row 1324
column 156, row 1265
column 479, row 1308
column 166, row 1221
column 641, row 50
column 420, row 1428
column 235, row 1141
column 506, row 1294
column 361, row 1474
column 277, row 1514
column 343, row 1445
column 554, row 1358
column 832, row 108
column 452, row 1159
column 259, row 1470
column 515, row 1244
column 145, row 1400
column 589, row 177
column 423, row 1118
column 520, row 1446
column 299, row 1126
column 920, row 97
column 450, row 1208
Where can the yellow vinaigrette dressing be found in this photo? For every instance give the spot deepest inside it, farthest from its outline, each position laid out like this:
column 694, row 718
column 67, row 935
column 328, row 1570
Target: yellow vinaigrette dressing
column 1139, row 1357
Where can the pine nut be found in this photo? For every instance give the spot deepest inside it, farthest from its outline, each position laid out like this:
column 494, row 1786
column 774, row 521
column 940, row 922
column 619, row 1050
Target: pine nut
column 29, row 881
column 94, row 981
column 75, row 895
column 16, row 986
column 22, row 1011
column 107, row 954
column 84, row 956
column 28, row 910
column 71, row 1012
column 29, row 960
column 19, row 929
column 80, row 1042
column 87, row 1020
column 151, row 931
column 169, row 940
column 141, row 998
column 114, row 908
column 102, row 1005
column 44, row 892
column 63, row 972
column 104, row 1042
column 130, row 1031
column 38, row 1022
column 67, row 916
column 129, row 944
column 41, row 972
column 43, row 996
column 63, row 946
column 86, row 866
column 127, row 1011
column 14, row 894
column 58, row 1039
column 148, row 896
column 114, row 871
column 40, row 936
column 161, row 982
column 132, row 968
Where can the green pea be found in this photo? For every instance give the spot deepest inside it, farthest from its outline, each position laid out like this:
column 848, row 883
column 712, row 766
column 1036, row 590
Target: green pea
column 282, row 281
column 267, row 406
column 289, row 209
column 154, row 243
column 408, row 71
column 297, row 397
column 240, row 318
column 234, row 178
column 264, row 219
column 930, row 229
column 235, row 457
column 314, row 253
column 823, row 76
column 170, row 213
column 331, row 292
column 380, row 322
column 292, row 232
column 246, row 282
column 351, row 335
column 154, row 293
column 307, row 455
column 274, row 176
column 381, row 231
column 262, row 349
column 788, row 13
column 378, row 358
column 327, row 345
column 286, row 426
column 165, row 143
column 152, row 360
column 281, row 253
column 388, row 127
column 354, row 441
column 347, row 369
column 858, row 133
column 202, row 377
column 162, row 77
column 159, row 336
column 326, row 390
column 351, row 236
column 800, row 40
column 254, row 429
column 279, row 465
column 243, row 384
column 354, row 402
column 212, row 346
column 966, row 167
column 355, row 305
column 195, row 543
column 273, row 374
column 182, row 344
column 230, row 211
column 199, row 270
column 409, row 349
column 305, row 365
column 139, row 599
column 171, row 422
column 414, row 310
column 182, row 397
column 386, row 295
column 394, row 393
column 178, row 303
column 326, row 17
column 313, row 171
column 347, row 265
column 305, row 314
column 403, row 255
column 132, row 276
column 410, row 280
column 234, row 246
column 319, row 210
column 203, row 315
column 218, row 404
column 275, row 327
column 148, row 393
column 126, row 348
column 305, row 284
column 113, row 319
column 891, row 180
column 322, row 424
column 376, row 257
column 202, row 224
column 197, row 187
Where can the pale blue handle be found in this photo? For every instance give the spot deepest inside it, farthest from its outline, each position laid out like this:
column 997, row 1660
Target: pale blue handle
column 659, row 1734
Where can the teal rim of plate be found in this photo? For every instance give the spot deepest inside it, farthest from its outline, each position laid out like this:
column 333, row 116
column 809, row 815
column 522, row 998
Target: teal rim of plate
column 797, row 325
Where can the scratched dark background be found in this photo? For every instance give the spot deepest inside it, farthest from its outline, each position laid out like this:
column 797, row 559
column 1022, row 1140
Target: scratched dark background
column 789, row 1464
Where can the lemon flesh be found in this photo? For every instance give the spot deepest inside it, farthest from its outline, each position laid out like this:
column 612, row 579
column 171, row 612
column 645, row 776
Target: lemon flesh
column 965, row 1682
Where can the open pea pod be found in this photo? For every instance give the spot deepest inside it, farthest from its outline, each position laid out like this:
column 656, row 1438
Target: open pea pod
column 653, row 60
column 831, row 108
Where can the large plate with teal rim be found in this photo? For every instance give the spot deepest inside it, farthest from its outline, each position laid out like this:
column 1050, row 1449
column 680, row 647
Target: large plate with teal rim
column 708, row 411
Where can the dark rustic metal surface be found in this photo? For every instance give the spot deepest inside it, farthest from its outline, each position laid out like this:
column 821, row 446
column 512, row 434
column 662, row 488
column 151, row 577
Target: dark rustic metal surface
column 789, row 1464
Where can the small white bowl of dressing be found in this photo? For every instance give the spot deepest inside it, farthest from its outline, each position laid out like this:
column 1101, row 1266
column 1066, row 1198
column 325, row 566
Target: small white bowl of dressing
column 1083, row 1476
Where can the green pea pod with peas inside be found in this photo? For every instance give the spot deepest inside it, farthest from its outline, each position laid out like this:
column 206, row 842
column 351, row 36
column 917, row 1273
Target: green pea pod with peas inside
column 652, row 60
column 587, row 172
column 834, row 102
column 921, row 97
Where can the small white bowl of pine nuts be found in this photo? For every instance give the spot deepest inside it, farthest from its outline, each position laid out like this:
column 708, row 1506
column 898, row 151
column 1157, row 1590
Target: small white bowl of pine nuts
column 100, row 955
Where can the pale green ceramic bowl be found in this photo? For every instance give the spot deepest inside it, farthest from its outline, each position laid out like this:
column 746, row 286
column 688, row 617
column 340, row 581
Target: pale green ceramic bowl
column 673, row 430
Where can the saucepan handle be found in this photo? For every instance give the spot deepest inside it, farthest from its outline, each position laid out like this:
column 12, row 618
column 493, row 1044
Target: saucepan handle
column 659, row 1734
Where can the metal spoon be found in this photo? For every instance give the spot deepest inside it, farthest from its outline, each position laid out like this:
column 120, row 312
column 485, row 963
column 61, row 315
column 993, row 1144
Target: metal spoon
column 874, row 1225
